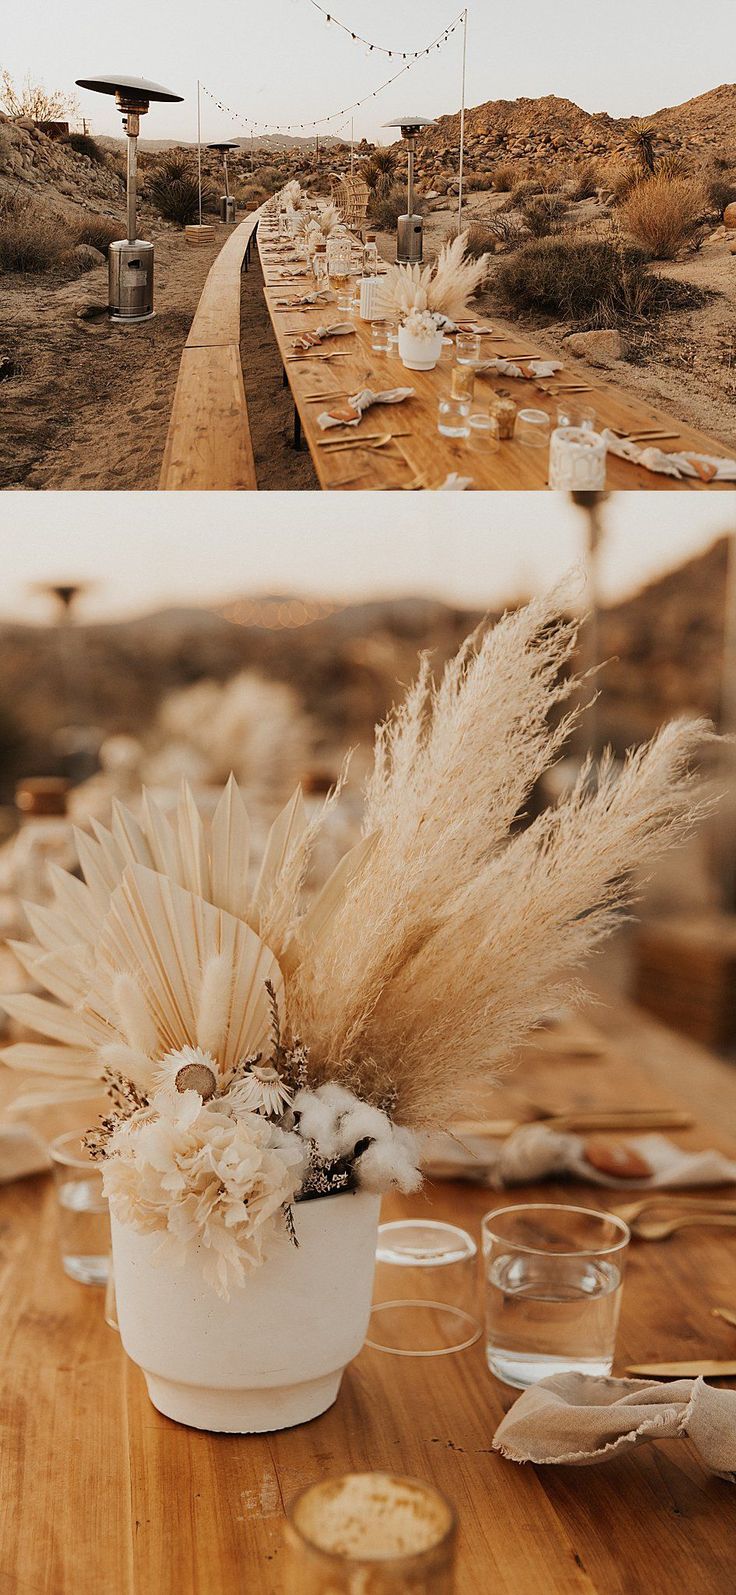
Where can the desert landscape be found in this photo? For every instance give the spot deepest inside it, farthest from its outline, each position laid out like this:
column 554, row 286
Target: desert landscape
column 612, row 239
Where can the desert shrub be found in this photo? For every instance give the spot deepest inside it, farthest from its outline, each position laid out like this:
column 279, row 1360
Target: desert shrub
column 85, row 144
column 542, row 214
column 268, row 178
column 640, row 134
column 586, row 179
column 503, row 177
column 251, row 195
column 173, row 189
column 720, row 193
column 385, row 212
column 379, row 172
column 478, row 238
column 662, row 213
column 596, row 282
column 620, row 178
column 100, row 232
column 30, row 241
column 475, row 182
column 508, row 230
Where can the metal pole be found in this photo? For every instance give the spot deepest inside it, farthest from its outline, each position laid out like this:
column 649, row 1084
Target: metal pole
column 410, row 178
column 131, row 127
column 352, row 144
column 252, row 156
column 199, row 151
column 224, row 157
column 462, row 120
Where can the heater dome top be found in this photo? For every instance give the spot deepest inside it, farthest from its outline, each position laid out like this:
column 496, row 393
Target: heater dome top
column 226, row 144
column 136, row 88
column 411, row 124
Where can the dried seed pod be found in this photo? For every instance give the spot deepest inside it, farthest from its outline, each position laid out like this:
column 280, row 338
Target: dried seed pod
column 197, row 1077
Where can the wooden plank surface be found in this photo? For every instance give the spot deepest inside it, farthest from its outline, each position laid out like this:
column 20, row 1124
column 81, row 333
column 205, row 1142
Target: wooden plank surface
column 425, row 452
column 208, row 445
column 99, row 1491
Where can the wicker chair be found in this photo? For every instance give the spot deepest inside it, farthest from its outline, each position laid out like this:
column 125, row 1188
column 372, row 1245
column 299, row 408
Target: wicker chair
column 351, row 197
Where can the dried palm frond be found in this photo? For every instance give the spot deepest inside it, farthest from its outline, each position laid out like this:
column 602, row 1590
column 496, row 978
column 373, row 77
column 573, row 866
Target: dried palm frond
column 443, row 288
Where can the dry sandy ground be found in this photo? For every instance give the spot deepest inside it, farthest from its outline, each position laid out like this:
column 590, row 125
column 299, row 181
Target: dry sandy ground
column 90, row 407
column 686, row 364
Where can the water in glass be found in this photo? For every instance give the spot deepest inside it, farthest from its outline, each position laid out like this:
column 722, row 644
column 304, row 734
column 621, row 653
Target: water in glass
column 549, row 1314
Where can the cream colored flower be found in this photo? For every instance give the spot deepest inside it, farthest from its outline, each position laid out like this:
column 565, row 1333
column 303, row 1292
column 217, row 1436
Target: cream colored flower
column 188, row 1069
column 205, row 1177
column 261, row 1090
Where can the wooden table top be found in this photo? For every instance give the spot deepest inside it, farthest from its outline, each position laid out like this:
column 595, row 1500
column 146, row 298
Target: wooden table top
column 100, row 1492
column 424, row 452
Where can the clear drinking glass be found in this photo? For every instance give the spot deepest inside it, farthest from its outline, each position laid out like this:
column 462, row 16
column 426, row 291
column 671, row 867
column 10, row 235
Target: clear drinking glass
column 463, row 383
column 452, row 417
column 425, row 1291
column 483, row 434
column 467, row 348
column 532, row 428
column 84, row 1221
column 381, row 339
column 373, row 1533
column 553, row 1280
column 580, row 415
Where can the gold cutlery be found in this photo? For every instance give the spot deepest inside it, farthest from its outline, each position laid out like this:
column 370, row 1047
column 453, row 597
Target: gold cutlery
column 726, row 1314
column 586, row 1120
column 653, row 1229
column 361, row 437
column 676, row 1202
column 684, row 1370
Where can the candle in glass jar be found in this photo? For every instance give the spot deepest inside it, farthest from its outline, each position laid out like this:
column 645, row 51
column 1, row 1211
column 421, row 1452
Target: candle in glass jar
column 577, row 459
column 376, row 1532
column 504, row 411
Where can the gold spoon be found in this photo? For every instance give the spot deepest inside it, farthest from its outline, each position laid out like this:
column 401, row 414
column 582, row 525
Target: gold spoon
column 650, row 1229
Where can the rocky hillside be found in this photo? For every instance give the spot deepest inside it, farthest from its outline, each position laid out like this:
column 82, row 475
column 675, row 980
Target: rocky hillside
column 550, row 128
column 51, row 169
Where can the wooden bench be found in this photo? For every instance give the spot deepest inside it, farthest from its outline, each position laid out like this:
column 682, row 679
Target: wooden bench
column 208, row 445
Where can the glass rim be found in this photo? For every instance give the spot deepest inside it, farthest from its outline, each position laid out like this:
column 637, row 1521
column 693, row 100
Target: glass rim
column 437, row 1224
column 67, row 1159
column 533, row 417
column 602, row 1216
column 402, row 1558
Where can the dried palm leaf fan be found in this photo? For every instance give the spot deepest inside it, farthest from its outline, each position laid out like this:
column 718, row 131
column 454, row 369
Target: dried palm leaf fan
column 130, row 261
column 430, row 953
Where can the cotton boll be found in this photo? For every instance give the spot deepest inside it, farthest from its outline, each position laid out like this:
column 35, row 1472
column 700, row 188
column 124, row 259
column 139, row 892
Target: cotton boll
column 361, row 1123
column 318, row 1121
column 385, row 1164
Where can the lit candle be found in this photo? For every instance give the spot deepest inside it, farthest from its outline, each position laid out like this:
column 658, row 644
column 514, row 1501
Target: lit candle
column 577, row 459
column 373, row 1532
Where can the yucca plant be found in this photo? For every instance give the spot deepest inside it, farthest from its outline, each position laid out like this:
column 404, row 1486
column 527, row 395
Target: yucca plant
column 641, row 135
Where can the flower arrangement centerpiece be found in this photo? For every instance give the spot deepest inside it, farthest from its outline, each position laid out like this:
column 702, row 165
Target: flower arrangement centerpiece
column 274, row 1055
column 429, row 300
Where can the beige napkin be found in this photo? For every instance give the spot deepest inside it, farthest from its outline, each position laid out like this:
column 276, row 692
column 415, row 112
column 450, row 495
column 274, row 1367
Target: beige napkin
column 524, row 368
column 22, row 1152
column 320, row 298
column 707, row 467
column 534, row 1152
column 454, row 483
column 576, row 1419
column 349, row 412
column 308, row 340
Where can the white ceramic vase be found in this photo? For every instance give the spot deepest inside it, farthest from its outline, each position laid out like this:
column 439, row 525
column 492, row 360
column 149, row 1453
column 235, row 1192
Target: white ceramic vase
column 274, row 1354
column 419, row 354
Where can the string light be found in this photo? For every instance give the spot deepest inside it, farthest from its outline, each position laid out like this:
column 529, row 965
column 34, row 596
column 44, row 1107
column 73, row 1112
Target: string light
column 410, row 59
column 381, row 49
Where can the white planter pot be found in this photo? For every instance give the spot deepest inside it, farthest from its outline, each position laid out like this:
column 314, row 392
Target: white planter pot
column 419, row 354
column 274, row 1354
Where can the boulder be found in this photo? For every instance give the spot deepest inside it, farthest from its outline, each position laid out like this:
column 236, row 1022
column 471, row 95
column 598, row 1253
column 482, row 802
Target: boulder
column 729, row 215
column 86, row 256
column 600, row 348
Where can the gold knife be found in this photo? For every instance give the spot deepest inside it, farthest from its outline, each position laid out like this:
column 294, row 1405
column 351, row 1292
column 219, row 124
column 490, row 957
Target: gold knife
column 684, row 1370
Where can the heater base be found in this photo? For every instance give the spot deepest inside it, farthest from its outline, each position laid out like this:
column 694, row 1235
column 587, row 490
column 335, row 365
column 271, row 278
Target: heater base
column 127, row 321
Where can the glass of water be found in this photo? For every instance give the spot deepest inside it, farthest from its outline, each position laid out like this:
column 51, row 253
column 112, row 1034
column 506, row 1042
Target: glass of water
column 84, row 1221
column 553, row 1279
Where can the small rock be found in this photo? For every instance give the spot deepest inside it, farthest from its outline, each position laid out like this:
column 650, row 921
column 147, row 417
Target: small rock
column 729, row 215
column 86, row 256
column 599, row 348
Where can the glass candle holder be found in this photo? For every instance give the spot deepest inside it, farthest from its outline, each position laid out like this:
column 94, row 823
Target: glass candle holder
column 577, row 459
column 452, row 417
column 532, row 428
column 578, row 415
column 504, row 411
column 462, row 383
column 425, row 1290
column 467, row 348
column 553, row 1280
column 376, row 1533
column 84, row 1221
column 381, row 339
column 483, row 434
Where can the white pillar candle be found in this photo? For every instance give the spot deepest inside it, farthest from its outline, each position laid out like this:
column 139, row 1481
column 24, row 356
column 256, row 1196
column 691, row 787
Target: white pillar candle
column 577, row 459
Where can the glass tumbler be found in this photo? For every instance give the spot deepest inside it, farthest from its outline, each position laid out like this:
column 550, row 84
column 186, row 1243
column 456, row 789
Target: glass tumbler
column 84, row 1221
column 532, row 428
column 426, row 1289
column 373, row 1533
column 483, row 434
column 467, row 348
column 452, row 417
column 553, row 1281
column 580, row 415
column 381, row 339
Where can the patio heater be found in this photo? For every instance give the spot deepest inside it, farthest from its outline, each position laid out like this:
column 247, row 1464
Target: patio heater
column 227, row 203
column 410, row 228
column 130, row 261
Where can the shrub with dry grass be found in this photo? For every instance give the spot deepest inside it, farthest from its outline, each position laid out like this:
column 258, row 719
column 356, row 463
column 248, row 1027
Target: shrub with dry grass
column 587, row 180
column 662, row 214
column 380, row 172
column 31, row 241
column 503, row 177
column 619, row 178
column 85, row 144
column 173, row 189
column 590, row 282
column 478, row 238
column 543, row 214
column 720, row 193
column 100, row 232
column 385, row 211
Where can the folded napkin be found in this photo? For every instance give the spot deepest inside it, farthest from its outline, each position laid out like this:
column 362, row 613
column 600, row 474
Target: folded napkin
column 350, row 411
column 708, row 467
column 534, row 1152
column 454, row 483
column 319, row 298
column 308, row 340
column 577, row 1419
column 521, row 368
column 22, row 1152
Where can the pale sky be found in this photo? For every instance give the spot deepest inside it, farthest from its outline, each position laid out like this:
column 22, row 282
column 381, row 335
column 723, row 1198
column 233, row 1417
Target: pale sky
column 145, row 550
column 280, row 62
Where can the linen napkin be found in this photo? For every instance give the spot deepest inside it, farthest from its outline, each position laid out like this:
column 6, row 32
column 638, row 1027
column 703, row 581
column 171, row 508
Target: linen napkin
column 349, row 412
column 321, row 297
column 22, row 1152
column 308, row 340
column 535, row 1152
column 454, row 483
column 708, row 467
column 521, row 368
column 577, row 1419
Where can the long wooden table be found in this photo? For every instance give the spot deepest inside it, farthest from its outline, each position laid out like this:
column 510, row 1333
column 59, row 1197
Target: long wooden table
column 425, row 455
column 99, row 1492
